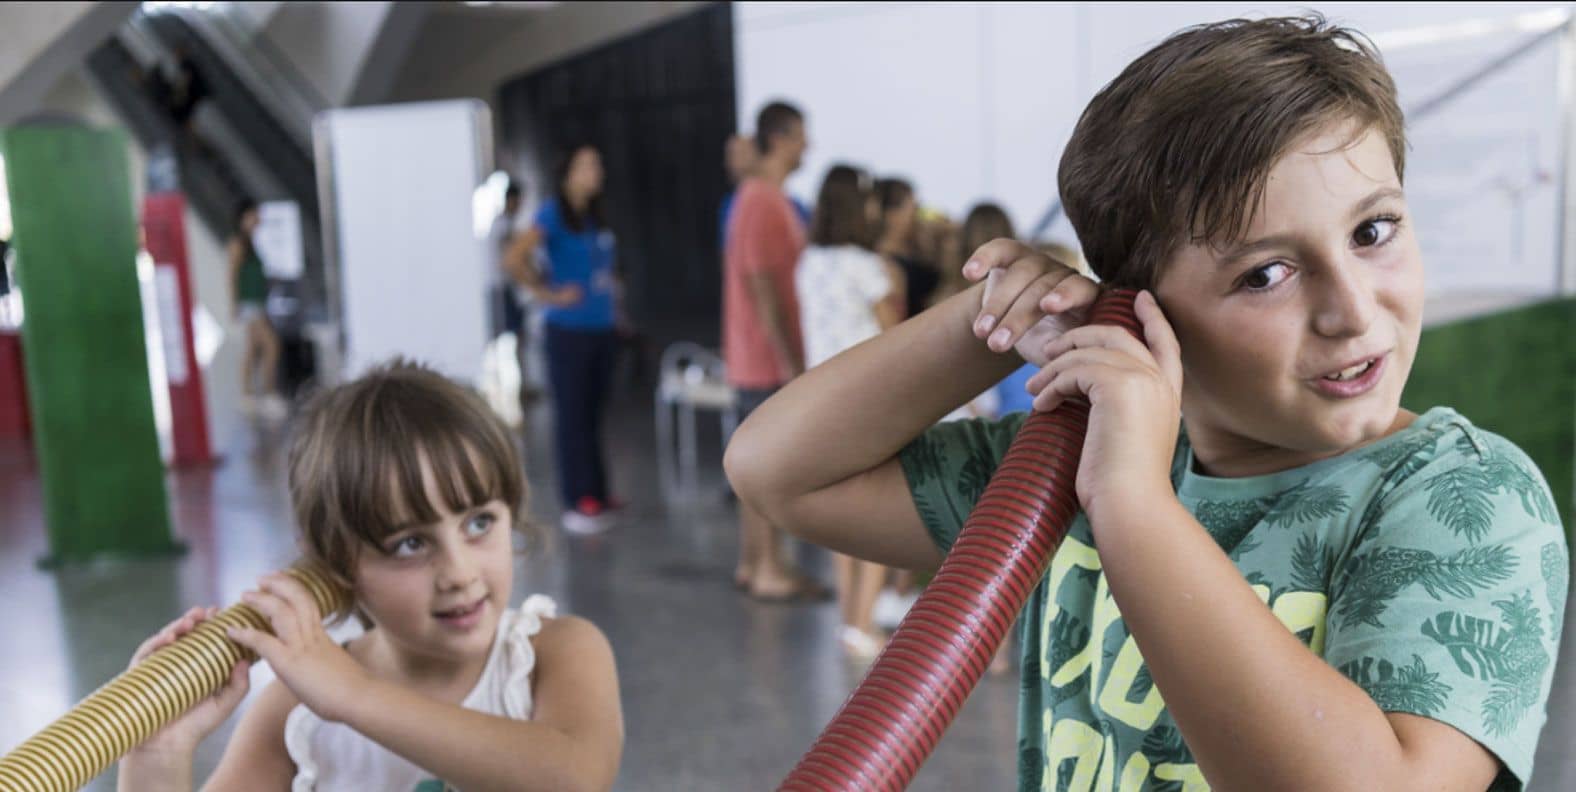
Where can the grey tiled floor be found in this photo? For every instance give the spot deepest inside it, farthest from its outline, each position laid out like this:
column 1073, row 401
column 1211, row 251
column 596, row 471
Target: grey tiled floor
column 719, row 692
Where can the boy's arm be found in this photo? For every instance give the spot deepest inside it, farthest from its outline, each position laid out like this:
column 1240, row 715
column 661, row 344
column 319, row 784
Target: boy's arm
column 820, row 457
column 1258, row 709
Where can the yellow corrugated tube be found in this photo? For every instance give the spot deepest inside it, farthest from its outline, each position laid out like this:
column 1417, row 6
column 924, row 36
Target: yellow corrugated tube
column 131, row 707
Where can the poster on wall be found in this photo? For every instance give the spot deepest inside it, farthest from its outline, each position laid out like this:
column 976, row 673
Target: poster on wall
column 278, row 239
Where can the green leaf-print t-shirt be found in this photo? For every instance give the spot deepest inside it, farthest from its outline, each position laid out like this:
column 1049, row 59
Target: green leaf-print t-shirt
column 1429, row 568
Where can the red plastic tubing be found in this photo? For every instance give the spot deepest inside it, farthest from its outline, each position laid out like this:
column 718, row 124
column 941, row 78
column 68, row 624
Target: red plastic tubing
column 893, row 720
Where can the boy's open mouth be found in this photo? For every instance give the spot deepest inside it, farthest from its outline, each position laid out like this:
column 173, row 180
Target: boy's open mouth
column 1351, row 372
column 1354, row 379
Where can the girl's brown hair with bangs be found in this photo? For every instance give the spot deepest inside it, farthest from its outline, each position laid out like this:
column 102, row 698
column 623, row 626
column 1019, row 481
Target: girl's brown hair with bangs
column 355, row 462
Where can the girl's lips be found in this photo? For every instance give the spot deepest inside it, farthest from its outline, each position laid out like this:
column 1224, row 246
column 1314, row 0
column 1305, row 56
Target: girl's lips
column 462, row 618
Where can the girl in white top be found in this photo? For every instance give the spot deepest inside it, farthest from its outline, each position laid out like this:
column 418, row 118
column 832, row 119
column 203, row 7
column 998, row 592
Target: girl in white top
column 847, row 294
column 405, row 487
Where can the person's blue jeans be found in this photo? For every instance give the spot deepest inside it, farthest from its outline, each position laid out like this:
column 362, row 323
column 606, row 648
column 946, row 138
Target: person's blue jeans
column 580, row 370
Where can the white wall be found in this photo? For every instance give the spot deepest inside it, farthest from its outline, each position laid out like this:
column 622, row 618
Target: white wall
column 976, row 101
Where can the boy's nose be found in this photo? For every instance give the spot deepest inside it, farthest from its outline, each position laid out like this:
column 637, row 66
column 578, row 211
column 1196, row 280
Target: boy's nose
column 1346, row 303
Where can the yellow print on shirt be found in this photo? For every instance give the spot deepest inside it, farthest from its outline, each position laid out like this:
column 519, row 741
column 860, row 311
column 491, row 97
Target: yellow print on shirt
column 1093, row 754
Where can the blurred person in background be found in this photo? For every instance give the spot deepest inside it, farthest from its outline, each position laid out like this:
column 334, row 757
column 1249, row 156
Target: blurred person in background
column 505, row 287
column 899, row 242
column 580, row 292
column 248, row 300
column 847, row 294
column 739, row 158
column 761, row 345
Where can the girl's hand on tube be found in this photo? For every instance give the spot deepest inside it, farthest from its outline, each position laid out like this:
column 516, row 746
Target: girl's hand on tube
column 1030, row 298
column 318, row 671
column 1135, row 395
column 181, row 736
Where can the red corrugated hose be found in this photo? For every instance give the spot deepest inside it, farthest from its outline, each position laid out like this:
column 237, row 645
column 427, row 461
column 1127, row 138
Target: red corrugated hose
column 893, row 720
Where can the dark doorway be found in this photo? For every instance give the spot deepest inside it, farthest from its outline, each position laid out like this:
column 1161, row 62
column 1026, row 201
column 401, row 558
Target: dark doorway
column 659, row 105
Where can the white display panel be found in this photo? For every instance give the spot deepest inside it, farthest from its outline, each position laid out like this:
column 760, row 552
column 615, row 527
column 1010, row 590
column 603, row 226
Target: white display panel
column 411, row 267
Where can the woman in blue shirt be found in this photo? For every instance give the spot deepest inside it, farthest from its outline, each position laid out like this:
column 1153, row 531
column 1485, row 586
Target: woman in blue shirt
column 577, row 284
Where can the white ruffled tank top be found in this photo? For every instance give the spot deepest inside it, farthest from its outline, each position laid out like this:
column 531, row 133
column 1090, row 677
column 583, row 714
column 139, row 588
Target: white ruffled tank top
column 330, row 757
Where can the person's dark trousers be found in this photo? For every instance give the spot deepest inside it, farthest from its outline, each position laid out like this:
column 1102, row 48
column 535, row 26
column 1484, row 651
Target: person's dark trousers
column 580, row 367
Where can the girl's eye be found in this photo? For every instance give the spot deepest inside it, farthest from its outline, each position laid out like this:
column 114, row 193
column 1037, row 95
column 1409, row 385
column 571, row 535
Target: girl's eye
column 479, row 524
column 407, row 547
column 1266, row 277
column 1375, row 232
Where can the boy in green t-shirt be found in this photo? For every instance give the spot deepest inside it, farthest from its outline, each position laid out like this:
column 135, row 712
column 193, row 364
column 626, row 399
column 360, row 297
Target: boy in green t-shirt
column 1307, row 587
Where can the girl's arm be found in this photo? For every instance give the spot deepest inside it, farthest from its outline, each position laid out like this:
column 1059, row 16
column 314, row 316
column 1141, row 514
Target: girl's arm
column 163, row 762
column 256, row 758
column 573, row 741
column 820, row 457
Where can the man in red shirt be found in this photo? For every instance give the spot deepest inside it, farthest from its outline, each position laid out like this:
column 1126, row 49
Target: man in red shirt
column 760, row 323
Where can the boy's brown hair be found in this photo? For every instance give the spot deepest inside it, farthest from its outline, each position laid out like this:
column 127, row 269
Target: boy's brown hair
column 355, row 462
column 1179, row 146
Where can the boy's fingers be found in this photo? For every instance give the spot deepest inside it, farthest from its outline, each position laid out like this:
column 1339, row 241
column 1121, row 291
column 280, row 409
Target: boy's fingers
column 993, row 254
column 1020, row 315
column 1161, row 338
column 1097, row 337
column 1006, row 287
column 1074, row 291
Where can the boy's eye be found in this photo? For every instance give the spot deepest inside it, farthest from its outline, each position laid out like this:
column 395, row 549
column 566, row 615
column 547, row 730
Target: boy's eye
column 478, row 524
column 407, row 547
column 1265, row 277
column 1374, row 232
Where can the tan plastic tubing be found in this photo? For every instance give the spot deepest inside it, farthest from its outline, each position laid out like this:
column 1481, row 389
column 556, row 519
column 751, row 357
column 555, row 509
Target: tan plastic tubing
column 131, row 707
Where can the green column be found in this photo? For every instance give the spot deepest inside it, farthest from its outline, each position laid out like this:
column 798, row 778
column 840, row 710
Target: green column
column 75, row 235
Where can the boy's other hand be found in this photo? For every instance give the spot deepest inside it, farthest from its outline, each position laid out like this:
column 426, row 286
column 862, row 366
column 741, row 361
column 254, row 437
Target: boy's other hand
column 1030, row 298
column 181, row 736
column 1135, row 394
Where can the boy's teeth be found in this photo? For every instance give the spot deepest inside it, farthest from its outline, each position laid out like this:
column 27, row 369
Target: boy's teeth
column 1354, row 371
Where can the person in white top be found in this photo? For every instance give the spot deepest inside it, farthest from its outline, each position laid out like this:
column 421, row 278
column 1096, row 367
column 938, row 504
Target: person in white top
column 847, row 294
column 406, row 488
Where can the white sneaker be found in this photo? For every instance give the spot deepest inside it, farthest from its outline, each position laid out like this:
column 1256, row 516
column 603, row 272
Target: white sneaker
column 858, row 644
column 891, row 607
column 583, row 524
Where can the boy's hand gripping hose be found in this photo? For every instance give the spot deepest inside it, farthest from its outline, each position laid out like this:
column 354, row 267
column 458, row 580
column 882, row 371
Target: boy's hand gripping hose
column 894, row 719
column 131, row 707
